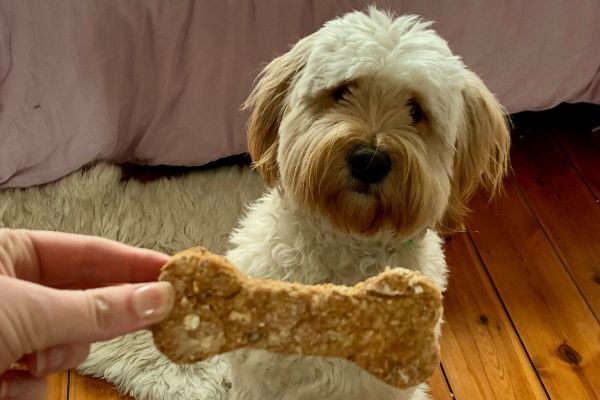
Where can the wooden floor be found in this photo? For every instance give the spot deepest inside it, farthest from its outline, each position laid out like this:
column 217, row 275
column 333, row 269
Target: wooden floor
column 523, row 305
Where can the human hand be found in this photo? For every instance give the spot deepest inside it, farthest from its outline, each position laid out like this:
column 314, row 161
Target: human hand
column 46, row 320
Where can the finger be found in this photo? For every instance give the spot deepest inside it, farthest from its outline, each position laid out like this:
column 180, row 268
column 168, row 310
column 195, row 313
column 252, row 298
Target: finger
column 57, row 358
column 20, row 385
column 68, row 260
column 101, row 314
column 40, row 318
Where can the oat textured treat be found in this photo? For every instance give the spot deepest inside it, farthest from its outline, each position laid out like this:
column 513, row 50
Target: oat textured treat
column 385, row 324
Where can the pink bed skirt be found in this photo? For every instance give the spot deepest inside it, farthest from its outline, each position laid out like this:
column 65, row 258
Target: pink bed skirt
column 162, row 82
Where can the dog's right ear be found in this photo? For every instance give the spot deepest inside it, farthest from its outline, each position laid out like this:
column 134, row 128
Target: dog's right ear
column 268, row 101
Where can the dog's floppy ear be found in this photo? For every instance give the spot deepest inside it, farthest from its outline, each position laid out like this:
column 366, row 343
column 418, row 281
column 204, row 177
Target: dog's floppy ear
column 268, row 103
column 482, row 150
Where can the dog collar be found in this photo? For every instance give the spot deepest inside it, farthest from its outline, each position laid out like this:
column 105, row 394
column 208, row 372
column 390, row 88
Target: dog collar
column 411, row 241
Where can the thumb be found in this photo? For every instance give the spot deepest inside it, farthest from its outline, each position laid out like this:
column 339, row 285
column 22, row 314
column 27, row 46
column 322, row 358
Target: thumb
column 101, row 314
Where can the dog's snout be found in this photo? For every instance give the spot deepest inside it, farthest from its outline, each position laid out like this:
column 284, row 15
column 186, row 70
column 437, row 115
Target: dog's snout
column 368, row 164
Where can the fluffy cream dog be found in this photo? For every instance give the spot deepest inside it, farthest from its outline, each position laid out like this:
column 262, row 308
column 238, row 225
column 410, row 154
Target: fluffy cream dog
column 372, row 136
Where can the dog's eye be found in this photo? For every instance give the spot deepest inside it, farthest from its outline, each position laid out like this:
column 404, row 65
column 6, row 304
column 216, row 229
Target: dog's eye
column 415, row 111
column 340, row 92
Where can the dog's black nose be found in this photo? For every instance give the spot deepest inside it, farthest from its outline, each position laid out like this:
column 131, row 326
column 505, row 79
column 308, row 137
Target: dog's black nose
column 368, row 164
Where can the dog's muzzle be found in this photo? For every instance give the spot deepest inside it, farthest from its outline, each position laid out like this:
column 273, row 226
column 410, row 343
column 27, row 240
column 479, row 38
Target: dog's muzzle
column 368, row 164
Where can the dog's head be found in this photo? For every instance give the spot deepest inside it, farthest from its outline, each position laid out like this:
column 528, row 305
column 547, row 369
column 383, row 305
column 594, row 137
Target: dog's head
column 373, row 122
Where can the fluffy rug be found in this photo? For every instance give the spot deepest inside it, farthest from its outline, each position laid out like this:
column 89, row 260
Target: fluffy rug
column 168, row 214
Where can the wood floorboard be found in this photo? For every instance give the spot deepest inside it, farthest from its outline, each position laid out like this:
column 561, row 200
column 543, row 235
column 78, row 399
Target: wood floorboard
column 438, row 386
column 481, row 353
column 553, row 320
column 564, row 206
column 88, row 388
column 583, row 149
column 58, row 386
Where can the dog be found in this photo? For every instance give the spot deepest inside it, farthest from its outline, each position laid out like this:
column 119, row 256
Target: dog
column 371, row 136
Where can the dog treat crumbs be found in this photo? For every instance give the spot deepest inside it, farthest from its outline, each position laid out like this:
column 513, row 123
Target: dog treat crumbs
column 385, row 324
column 191, row 322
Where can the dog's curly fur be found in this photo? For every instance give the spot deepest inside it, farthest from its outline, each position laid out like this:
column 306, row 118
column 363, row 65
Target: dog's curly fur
column 390, row 84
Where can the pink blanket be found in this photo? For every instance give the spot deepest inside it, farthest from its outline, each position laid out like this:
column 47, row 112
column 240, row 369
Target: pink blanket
column 162, row 82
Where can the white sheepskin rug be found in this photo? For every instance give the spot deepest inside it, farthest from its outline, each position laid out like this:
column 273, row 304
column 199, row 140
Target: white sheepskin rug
column 168, row 215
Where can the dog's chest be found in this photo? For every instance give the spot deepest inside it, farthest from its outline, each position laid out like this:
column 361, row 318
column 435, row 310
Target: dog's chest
column 310, row 259
column 342, row 261
column 276, row 242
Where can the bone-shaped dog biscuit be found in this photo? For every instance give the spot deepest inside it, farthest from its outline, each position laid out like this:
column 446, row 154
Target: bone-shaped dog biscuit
column 385, row 324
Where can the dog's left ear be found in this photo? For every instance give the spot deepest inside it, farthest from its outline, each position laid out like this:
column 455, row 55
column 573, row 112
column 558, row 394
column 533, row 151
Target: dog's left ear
column 482, row 151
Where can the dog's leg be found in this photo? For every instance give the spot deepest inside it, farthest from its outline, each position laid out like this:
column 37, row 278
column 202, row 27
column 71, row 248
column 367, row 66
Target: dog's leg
column 259, row 375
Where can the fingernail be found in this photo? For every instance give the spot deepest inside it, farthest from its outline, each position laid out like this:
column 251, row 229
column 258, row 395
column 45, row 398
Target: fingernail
column 153, row 301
